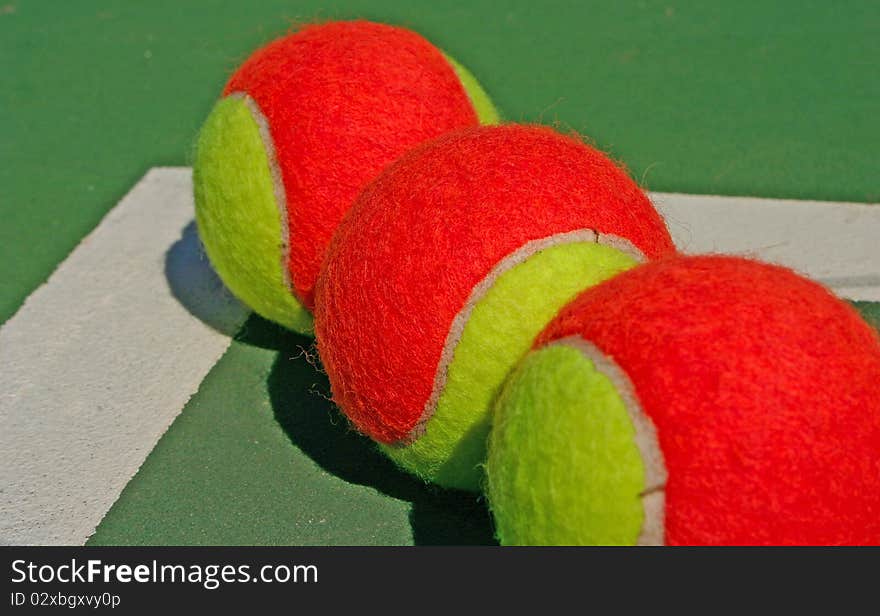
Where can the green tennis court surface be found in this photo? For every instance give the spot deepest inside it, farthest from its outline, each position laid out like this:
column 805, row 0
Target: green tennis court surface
column 777, row 101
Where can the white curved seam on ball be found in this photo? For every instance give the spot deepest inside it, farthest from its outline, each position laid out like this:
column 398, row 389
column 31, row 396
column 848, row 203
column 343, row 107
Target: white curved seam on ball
column 456, row 329
column 653, row 496
column 277, row 184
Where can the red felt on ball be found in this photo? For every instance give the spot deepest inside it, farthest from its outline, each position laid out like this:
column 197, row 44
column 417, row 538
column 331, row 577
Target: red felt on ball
column 764, row 390
column 342, row 100
column 406, row 258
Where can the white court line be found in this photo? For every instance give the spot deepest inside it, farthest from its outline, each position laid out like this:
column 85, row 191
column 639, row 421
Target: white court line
column 99, row 361
column 837, row 244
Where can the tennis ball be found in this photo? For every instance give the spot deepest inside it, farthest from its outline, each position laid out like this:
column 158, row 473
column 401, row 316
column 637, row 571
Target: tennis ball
column 448, row 266
column 302, row 126
column 693, row 400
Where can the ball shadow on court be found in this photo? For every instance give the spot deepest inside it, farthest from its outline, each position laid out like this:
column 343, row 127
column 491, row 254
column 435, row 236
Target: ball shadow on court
column 299, row 394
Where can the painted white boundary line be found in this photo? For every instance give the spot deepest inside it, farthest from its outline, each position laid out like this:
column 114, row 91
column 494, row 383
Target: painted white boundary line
column 99, row 361
column 837, row 244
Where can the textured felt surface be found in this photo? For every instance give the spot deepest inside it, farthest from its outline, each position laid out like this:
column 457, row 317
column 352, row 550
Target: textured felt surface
column 342, row 100
column 725, row 101
column 764, row 392
column 152, row 509
column 238, row 217
column 563, row 467
column 499, row 330
column 483, row 105
column 406, row 259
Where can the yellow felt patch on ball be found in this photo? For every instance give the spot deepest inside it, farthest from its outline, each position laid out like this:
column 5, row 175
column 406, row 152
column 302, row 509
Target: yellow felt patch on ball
column 238, row 214
column 563, row 466
column 497, row 332
column 331, row 106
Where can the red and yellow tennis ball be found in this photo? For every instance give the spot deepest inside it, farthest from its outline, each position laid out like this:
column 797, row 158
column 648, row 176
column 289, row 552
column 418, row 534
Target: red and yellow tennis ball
column 694, row 400
column 448, row 266
column 302, row 126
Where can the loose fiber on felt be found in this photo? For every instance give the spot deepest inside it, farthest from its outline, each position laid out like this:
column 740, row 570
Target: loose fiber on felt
column 423, row 235
column 764, row 390
column 343, row 100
